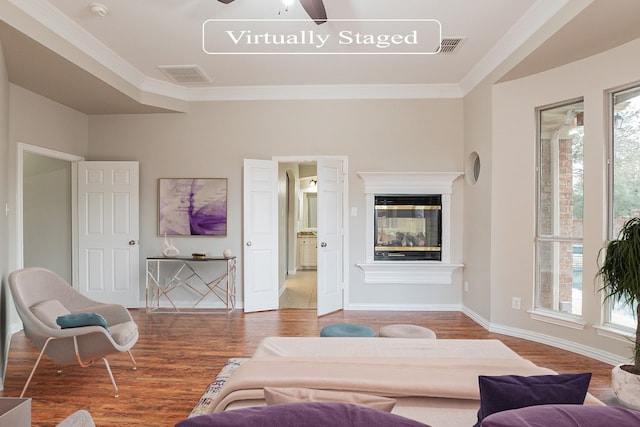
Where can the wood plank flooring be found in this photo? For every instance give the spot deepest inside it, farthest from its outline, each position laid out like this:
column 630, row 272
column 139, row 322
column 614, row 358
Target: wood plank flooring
column 301, row 290
column 179, row 354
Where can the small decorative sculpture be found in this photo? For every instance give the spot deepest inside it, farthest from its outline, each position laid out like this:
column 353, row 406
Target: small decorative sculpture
column 227, row 253
column 168, row 249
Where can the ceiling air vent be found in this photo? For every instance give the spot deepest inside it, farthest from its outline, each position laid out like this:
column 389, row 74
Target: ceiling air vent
column 449, row 44
column 185, row 74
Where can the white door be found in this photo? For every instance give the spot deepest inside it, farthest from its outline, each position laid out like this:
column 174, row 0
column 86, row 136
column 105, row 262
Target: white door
column 108, row 232
column 260, row 235
column 330, row 235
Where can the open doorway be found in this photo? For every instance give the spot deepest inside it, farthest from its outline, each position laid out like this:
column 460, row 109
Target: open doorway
column 46, row 189
column 300, row 285
column 266, row 236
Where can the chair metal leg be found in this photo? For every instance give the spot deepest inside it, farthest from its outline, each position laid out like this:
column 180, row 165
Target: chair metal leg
column 33, row 370
column 113, row 381
column 80, row 362
column 106, row 363
column 135, row 367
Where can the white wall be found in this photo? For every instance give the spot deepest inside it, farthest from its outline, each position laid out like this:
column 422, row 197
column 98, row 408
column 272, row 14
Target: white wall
column 513, row 186
column 213, row 138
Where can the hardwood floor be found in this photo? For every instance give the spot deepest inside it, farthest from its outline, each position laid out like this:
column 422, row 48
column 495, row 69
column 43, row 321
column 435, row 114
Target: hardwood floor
column 179, row 354
column 301, row 290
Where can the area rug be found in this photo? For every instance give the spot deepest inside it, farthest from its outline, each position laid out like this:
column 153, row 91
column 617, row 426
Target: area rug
column 204, row 404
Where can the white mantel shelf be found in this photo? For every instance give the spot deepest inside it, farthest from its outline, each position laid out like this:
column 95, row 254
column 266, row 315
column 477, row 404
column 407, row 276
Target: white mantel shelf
column 408, row 272
column 409, row 182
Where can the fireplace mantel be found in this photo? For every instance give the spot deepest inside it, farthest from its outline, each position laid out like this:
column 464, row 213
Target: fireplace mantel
column 409, row 182
column 418, row 272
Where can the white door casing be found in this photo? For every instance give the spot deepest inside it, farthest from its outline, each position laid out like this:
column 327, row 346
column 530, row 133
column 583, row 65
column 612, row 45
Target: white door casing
column 260, row 226
column 108, row 231
column 330, row 236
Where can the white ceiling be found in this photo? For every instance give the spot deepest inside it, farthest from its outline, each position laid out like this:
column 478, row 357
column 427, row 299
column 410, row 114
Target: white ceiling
column 170, row 33
column 124, row 49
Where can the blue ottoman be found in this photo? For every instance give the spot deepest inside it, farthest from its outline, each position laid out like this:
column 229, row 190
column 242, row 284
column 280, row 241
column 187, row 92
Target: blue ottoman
column 347, row 330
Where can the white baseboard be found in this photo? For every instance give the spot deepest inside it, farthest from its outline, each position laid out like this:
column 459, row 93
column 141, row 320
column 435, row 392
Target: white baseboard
column 584, row 350
column 404, row 307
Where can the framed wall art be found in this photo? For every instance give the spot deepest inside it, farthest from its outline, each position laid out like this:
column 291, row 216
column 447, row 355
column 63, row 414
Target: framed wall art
column 192, row 206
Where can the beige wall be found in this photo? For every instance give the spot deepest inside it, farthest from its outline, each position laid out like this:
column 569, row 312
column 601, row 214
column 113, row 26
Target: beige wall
column 47, row 211
column 5, row 302
column 213, row 138
column 478, row 202
column 514, row 129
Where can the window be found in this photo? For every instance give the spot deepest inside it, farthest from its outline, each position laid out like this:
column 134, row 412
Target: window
column 624, row 180
column 560, row 208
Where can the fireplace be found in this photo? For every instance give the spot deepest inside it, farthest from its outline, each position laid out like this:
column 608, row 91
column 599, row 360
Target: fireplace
column 408, row 227
column 431, row 190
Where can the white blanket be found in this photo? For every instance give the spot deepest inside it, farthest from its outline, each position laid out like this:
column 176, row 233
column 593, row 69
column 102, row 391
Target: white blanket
column 434, row 381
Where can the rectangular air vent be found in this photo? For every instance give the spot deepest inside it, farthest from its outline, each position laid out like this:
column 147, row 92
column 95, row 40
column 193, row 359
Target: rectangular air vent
column 185, row 74
column 449, row 44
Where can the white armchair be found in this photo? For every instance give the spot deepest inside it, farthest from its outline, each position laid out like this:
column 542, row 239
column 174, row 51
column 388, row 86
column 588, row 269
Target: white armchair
column 41, row 296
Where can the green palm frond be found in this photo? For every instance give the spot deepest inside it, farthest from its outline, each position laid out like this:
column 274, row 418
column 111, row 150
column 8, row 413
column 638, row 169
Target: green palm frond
column 620, row 271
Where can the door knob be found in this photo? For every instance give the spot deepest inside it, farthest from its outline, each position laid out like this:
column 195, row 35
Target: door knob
column 249, row 243
column 323, row 244
column 133, row 242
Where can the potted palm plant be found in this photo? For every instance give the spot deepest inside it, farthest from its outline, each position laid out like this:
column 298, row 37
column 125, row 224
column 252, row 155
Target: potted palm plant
column 620, row 275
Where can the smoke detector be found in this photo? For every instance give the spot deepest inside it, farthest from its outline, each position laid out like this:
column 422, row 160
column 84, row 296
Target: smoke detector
column 98, row 9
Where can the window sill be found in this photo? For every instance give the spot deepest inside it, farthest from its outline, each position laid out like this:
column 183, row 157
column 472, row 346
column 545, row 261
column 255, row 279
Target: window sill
column 565, row 320
column 615, row 333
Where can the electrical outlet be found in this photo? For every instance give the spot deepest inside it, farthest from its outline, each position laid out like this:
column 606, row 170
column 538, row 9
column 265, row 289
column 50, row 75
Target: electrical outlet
column 515, row 303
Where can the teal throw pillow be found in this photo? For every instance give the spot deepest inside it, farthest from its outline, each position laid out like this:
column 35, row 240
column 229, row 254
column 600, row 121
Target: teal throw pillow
column 76, row 320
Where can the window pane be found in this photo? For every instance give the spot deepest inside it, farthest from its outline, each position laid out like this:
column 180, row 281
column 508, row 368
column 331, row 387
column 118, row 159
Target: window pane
column 626, row 157
column 560, row 208
column 559, row 277
column 625, row 174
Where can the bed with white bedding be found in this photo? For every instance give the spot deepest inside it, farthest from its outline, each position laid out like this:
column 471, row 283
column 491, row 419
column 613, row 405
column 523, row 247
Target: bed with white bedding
column 433, row 381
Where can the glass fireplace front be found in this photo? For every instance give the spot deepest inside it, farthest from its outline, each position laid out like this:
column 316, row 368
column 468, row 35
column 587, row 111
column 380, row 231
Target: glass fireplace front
column 408, row 228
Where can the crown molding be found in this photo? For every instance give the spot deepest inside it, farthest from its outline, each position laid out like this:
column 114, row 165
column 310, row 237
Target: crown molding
column 45, row 14
column 324, row 92
column 533, row 28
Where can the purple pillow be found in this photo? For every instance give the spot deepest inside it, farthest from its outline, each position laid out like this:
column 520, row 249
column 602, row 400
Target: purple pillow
column 564, row 416
column 501, row 393
column 308, row 414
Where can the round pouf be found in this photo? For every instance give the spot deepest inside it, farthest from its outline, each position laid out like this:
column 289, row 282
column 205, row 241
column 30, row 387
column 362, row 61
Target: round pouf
column 406, row 331
column 347, row 330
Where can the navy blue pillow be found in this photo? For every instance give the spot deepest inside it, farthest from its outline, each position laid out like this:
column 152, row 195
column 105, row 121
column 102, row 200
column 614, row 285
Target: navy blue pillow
column 504, row 392
column 307, row 414
column 76, row 320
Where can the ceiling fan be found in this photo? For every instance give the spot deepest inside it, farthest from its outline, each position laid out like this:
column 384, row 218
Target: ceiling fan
column 314, row 8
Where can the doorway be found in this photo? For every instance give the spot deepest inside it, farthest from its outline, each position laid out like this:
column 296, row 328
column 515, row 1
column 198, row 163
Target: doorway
column 266, row 239
column 46, row 207
column 300, row 284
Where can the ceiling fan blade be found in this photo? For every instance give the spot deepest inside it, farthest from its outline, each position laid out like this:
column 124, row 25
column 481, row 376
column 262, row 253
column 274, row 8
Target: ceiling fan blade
column 315, row 9
column 225, row 1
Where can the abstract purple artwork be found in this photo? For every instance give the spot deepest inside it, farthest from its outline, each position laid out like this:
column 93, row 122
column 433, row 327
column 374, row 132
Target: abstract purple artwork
column 192, row 206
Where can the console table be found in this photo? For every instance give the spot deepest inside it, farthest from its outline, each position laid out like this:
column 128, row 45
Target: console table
column 165, row 275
